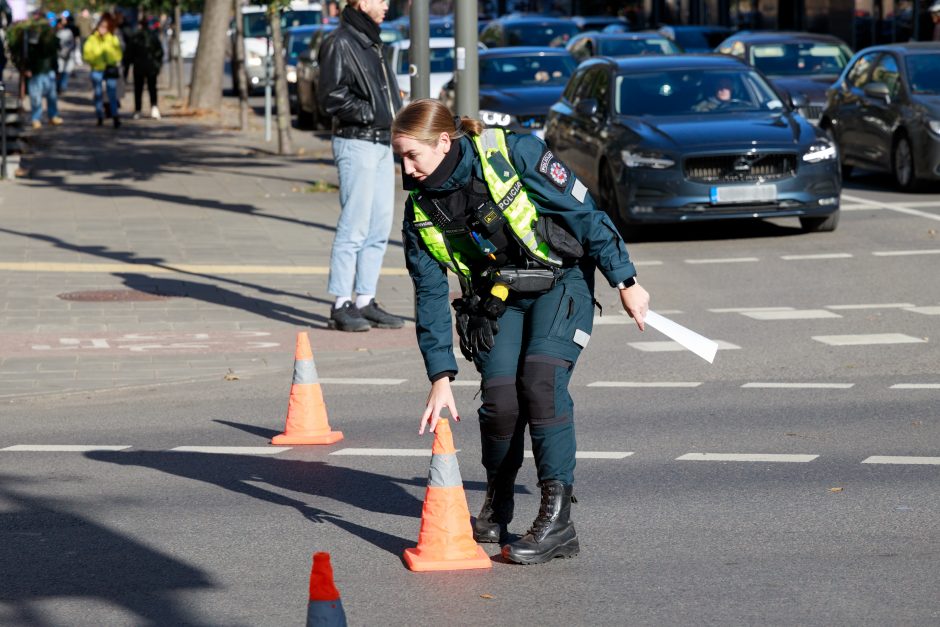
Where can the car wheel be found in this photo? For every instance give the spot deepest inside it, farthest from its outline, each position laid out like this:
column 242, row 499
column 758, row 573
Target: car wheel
column 902, row 164
column 820, row 225
column 826, row 125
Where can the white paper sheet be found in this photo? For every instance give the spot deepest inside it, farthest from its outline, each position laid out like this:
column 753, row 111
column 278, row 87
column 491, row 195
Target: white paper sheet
column 698, row 344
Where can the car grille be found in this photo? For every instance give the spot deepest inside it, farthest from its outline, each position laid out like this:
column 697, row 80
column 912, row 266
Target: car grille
column 532, row 121
column 735, row 168
column 811, row 112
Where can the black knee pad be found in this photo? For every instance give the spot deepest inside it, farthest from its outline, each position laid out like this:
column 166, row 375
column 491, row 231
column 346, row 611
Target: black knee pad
column 500, row 408
column 541, row 376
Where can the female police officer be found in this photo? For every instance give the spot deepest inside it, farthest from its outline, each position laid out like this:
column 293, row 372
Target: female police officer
column 524, row 238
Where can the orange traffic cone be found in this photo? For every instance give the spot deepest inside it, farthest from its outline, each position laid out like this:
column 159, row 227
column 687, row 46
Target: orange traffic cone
column 325, row 608
column 445, row 541
column 306, row 412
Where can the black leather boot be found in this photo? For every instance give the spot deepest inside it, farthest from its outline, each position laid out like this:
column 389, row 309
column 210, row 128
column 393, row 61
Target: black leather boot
column 552, row 534
column 491, row 523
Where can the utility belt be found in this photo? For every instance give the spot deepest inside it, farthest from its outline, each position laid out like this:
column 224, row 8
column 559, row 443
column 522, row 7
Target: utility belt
column 374, row 135
column 527, row 281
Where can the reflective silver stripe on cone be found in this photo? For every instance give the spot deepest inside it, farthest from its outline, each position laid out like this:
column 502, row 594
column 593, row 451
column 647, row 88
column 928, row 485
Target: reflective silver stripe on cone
column 305, row 371
column 444, row 471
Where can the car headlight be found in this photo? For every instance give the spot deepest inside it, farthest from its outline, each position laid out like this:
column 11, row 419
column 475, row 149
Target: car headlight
column 646, row 159
column 495, row 118
column 934, row 126
column 291, row 75
column 253, row 60
column 822, row 150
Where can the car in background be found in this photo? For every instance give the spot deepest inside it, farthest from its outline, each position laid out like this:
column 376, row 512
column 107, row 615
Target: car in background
column 594, row 44
column 884, row 112
column 189, row 34
column 599, row 22
column 441, row 64
column 309, row 112
column 802, row 65
column 518, row 85
column 528, row 30
column 696, row 38
column 296, row 40
column 692, row 137
column 255, row 24
column 438, row 25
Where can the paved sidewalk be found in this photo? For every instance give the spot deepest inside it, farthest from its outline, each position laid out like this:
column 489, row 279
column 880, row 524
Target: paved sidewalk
column 171, row 250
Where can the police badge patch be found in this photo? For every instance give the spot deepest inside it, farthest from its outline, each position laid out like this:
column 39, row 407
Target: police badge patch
column 553, row 170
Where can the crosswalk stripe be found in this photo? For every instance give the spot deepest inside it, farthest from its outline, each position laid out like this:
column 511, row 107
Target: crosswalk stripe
column 798, row 386
column 795, row 314
column 723, row 260
column 868, row 339
column 905, row 253
column 644, row 384
column 66, row 448
column 899, row 459
column 334, row 381
column 873, row 306
column 665, row 346
column 915, row 386
column 817, row 256
column 746, row 457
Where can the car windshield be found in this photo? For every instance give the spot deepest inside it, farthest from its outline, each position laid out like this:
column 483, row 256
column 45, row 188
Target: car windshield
column 535, row 34
column 924, row 73
column 515, row 71
column 650, row 45
column 298, row 44
column 693, row 92
column 442, row 60
column 799, row 58
column 256, row 24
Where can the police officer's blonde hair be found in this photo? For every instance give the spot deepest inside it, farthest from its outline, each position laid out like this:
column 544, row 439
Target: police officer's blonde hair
column 425, row 120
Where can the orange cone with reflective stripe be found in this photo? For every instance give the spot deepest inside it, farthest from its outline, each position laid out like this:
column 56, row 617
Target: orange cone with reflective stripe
column 325, row 608
column 306, row 412
column 445, row 541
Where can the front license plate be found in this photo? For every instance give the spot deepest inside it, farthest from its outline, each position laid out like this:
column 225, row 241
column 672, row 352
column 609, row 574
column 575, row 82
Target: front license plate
column 743, row 193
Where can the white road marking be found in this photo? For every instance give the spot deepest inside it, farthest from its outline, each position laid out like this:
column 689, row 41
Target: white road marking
column 66, row 448
column 595, row 454
column 621, row 317
column 796, row 314
column 668, row 346
column 647, row 263
column 899, row 459
column 893, row 207
column 465, row 383
column 232, row 450
column 723, row 260
column 748, row 309
column 873, row 306
column 915, row 386
column 797, row 386
column 906, row 253
column 817, row 256
column 927, row 311
column 867, row 340
column 746, row 457
column 644, row 384
column 362, row 381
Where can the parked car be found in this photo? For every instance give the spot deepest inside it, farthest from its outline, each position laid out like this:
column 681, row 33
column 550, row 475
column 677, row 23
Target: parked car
column 255, row 23
column 884, row 112
column 801, row 65
column 528, row 30
column 696, row 38
column 296, row 40
column 599, row 22
column 692, row 137
column 441, row 64
column 309, row 112
column 189, row 34
column 438, row 25
column 518, row 85
column 593, row 44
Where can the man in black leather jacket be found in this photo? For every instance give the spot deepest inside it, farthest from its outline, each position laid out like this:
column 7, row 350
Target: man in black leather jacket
column 358, row 88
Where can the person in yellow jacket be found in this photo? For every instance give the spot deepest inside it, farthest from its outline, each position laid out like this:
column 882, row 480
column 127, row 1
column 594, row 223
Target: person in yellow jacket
column 102, row 52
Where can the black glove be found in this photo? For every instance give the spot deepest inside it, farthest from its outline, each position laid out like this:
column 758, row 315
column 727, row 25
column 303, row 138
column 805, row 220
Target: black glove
column 480, row 332
column 463, row 319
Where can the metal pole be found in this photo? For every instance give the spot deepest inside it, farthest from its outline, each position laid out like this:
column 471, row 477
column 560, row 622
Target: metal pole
column 267, row 90
column 420, row 51
column 467, row 70
column 3, row 130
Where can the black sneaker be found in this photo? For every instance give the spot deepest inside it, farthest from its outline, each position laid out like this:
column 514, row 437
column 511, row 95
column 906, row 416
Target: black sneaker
column 348, row 318
column 380, row 318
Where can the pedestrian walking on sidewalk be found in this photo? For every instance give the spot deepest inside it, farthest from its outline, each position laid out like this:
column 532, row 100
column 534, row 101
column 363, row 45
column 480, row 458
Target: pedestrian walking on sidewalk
column 35, row 49
column 102, row 52
column 145, row 53
column 66, row 59
column 357, row 87
column 524, row 238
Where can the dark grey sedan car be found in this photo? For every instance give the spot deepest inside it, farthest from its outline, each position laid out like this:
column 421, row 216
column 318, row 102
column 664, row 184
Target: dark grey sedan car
column 884, row 112
column 692, row 137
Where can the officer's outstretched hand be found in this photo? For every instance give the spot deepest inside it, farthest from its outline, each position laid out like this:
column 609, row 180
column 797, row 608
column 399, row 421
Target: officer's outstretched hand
column 636, row 302
column 440, row 397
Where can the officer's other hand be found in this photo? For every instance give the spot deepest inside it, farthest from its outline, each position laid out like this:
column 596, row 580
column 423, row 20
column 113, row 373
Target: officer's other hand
column 439, row 397
column 636, row 302
column 481, row 331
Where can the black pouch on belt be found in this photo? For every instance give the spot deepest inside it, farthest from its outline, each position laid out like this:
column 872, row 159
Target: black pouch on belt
column 528, row 280
column 558, row 239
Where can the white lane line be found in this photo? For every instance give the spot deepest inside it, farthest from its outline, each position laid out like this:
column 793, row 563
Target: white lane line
column 66, row 448
column 858, row 208
column 748, row 309
column 868, row 339
column 796, row 314
column 873, row 306
column 621, row 317
column 906, row 253
column 745, row 457
column 422, row 452
column 797, row 386
column 723, row 260
column 465, row 383
column 595, row 454
column 817, row 256
column 900, row 459
column 668, row 346
column 362, row 381
column 232, row 450
column 647, row 263
column 644, row 384
column 915, row 386
column 927, row 311
column 893, row 207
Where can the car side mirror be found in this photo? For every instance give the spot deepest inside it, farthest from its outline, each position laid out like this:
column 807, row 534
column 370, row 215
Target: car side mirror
column 798, row 101
column 587, row 107
column 878, row 90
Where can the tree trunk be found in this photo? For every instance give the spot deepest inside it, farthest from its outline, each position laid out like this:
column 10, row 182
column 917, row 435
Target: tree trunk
column 239, row 76
column 284, row 145
column 205, row 90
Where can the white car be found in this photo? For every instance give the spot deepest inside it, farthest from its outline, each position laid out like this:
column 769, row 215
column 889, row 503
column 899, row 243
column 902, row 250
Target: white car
column 255, row 21
column 442, row 64
column 189, row 35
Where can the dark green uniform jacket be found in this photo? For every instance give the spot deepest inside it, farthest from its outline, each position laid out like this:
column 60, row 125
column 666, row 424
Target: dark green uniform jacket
column 556, row 192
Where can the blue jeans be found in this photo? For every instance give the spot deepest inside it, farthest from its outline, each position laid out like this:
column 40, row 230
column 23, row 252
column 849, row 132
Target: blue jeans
column 42, row 85
column 367, row 197
column 97, row 76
